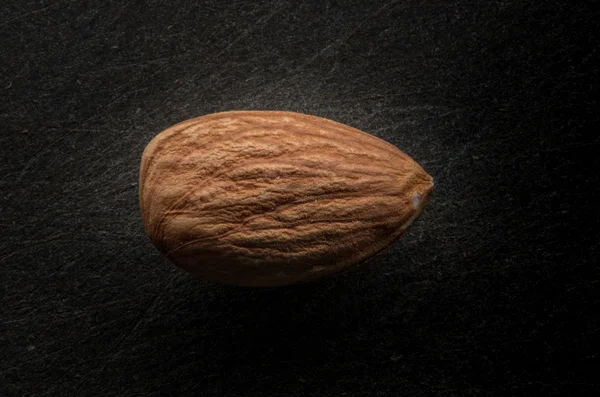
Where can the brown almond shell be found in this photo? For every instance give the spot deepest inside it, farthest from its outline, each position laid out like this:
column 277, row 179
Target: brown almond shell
column 269, row 198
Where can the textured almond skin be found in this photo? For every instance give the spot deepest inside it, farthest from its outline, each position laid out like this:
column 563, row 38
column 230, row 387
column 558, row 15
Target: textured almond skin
column 268, row 198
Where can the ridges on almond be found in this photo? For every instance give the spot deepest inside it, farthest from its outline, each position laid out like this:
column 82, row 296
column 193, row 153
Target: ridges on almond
column 268, row 198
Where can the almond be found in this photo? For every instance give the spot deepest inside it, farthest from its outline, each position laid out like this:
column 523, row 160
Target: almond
column 269, row 198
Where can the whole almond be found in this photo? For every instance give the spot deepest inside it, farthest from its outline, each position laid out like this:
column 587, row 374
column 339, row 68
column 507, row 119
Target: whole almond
column 268, row 198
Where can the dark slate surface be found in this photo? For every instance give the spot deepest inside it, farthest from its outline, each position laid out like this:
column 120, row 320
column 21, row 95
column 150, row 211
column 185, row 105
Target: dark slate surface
column 492, row 293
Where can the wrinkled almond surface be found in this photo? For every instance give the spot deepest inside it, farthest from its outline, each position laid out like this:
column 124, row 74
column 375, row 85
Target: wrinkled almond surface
column 267, row 198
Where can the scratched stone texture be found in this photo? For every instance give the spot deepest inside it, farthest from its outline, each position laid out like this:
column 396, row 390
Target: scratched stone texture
column 493, row 292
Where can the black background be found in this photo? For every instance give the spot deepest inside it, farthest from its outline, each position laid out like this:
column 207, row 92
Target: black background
column 491, row 293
